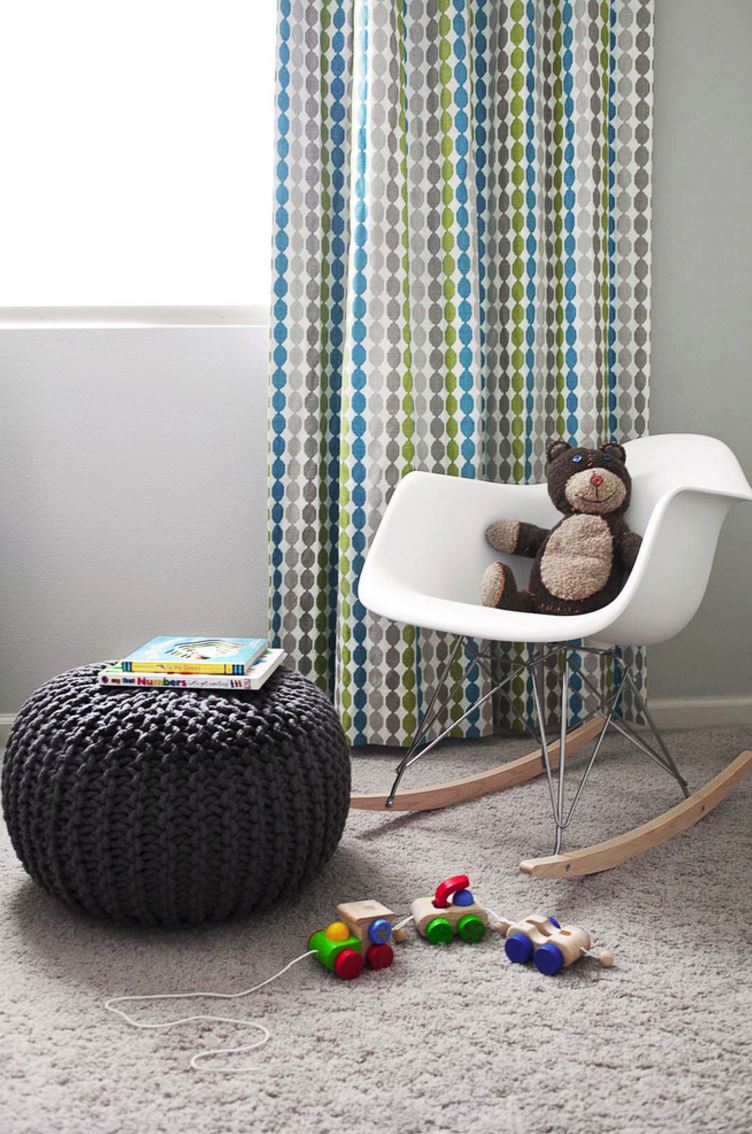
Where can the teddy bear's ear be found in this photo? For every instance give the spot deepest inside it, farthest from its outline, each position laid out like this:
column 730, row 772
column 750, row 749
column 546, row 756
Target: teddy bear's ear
column 554, row 449
column 614, row 449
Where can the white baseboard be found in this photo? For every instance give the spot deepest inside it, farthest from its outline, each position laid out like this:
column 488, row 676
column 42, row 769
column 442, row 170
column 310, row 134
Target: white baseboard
column 668, row 712
column 6, row 720
column 701, row 712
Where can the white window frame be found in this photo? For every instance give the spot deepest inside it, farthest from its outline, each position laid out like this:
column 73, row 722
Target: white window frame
column 59, row 318
column 44, row 68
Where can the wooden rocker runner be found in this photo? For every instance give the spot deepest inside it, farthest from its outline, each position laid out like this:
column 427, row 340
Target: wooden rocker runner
column 683, row 486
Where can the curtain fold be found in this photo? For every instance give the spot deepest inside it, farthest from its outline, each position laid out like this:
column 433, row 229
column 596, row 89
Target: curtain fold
column 461, row 271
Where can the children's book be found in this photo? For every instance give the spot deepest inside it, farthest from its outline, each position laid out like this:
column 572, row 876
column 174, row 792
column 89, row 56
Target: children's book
column 195, row 655
column 259, row 672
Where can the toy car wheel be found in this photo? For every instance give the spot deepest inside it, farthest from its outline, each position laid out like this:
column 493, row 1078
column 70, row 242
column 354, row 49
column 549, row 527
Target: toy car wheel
column 348, row 964
column 549, row 959
column 379, row 931
column 380, row 956
column 471, row 928
column 518, row 948
column 439, row 931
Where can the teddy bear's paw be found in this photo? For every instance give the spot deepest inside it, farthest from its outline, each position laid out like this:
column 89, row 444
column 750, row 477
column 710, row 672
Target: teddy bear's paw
column 497, row 579
column 503, row 535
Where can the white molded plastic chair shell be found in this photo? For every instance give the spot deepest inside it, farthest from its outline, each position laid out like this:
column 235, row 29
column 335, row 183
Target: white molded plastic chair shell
column 429, row 553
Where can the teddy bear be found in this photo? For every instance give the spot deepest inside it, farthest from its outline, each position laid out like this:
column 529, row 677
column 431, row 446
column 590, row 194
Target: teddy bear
column 580, row 564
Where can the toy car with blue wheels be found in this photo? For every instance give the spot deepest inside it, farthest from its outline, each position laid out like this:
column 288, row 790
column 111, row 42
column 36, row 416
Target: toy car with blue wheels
column 550, row 946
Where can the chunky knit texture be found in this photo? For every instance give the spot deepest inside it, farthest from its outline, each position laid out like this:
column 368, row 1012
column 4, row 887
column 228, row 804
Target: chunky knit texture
column 172, row 807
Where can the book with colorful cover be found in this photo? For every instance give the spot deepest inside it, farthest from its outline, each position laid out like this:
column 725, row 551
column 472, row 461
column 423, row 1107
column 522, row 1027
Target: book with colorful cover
column 259, row 672
column 195, row 655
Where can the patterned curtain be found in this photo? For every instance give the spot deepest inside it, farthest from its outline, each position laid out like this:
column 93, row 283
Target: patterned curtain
column 461, row 271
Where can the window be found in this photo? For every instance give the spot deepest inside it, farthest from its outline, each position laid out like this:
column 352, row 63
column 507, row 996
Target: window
column 137, row 152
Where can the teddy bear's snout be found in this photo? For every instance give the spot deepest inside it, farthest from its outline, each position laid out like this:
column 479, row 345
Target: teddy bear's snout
column 595, row 490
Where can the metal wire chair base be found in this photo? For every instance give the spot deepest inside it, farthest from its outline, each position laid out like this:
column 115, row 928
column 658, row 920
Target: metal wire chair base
column 607, row 707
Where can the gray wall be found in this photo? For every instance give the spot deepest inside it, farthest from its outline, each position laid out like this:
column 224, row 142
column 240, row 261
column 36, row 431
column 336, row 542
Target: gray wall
column 132, row 462
column 702, row 304
column 132, row 492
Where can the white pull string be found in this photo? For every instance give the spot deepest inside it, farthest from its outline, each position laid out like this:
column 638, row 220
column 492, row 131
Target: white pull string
column 497, row 917
column 400, row 924
column 195, row 1063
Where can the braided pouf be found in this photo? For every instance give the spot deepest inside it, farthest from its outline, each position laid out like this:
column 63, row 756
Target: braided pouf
column 175, row 806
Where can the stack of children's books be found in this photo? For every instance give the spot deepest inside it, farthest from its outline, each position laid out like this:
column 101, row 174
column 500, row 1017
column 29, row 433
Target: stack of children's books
column 196, row 663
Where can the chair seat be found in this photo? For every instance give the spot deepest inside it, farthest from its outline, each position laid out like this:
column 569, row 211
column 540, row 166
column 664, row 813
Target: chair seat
column 404, row 604
column 429, row 553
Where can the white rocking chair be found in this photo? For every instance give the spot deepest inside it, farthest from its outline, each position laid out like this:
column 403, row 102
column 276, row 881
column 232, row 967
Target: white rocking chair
column 424, row 569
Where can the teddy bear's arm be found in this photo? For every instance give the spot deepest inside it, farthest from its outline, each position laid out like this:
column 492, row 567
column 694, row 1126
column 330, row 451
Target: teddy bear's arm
column 628, row 545
column 513, row 537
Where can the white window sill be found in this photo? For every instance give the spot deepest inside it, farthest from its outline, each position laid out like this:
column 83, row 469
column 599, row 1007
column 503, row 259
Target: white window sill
column 56, row 318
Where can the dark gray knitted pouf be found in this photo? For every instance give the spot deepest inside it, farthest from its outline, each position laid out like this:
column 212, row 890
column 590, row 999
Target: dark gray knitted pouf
column 167, row 807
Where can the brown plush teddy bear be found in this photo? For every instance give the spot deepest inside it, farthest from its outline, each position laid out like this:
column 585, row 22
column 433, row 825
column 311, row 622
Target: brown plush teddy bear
column 581, row 563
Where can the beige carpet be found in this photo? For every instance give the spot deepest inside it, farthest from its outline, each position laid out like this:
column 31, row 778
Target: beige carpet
column 448, row 1039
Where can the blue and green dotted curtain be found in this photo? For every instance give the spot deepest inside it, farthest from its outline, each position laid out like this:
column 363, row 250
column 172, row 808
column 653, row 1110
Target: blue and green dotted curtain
column 461, row 271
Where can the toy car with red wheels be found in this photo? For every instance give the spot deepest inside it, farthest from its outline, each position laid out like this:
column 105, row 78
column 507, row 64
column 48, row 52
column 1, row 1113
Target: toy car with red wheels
column 452, row 911
column 362, row 937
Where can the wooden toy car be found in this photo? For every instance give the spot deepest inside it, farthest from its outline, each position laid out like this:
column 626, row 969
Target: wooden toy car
column 451, row 910
column 361, row 937
column 551, row 946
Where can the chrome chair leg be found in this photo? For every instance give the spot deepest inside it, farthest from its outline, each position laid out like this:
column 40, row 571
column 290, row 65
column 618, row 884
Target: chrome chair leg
column 417, row 750
column 559, row 814
column 663, row 758
column 425, row 721
column 607, row 706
